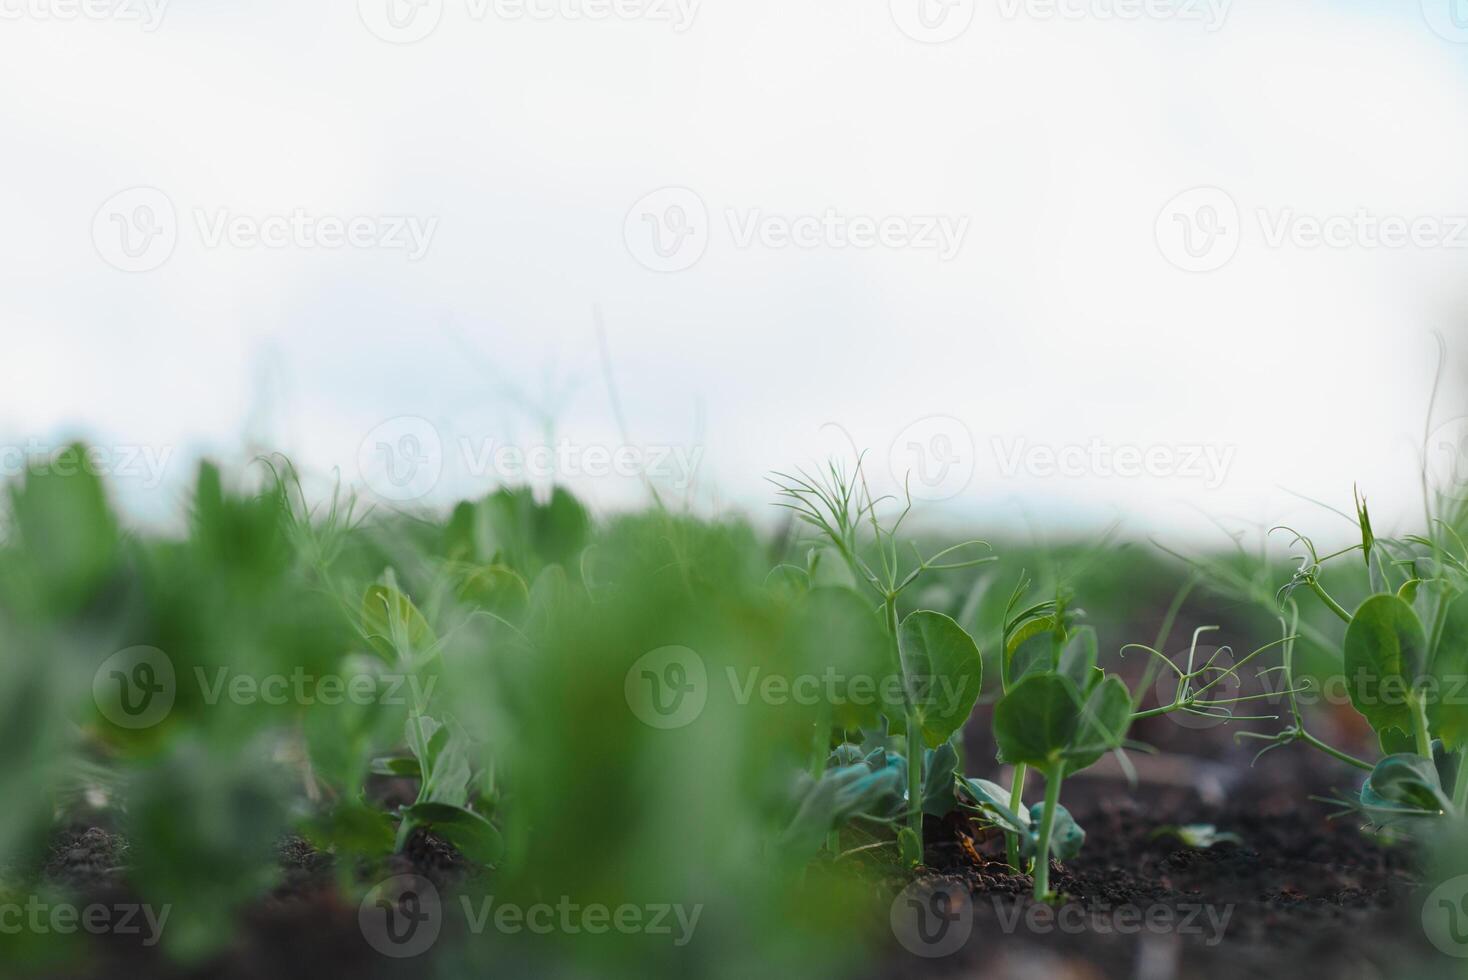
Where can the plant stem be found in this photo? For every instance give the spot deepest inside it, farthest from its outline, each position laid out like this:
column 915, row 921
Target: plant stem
column 1047, row 824
column 1460, row 785
column 1349, row 760
column 1330, row 603
column 1016, row 801
column 914, row 735
column 1419, row 726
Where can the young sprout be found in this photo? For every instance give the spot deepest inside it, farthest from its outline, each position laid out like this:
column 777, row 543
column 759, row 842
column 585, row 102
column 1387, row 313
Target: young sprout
column 926, row 647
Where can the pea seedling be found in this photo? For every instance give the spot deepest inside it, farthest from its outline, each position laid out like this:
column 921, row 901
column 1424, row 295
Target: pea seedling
column 926, row 648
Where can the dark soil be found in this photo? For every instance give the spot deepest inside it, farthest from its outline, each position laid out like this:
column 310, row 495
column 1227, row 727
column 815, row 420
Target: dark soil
column 304, row 928
column 1302, row 895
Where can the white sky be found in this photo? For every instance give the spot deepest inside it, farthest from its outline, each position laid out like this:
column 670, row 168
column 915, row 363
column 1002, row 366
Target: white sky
column 1055, row 143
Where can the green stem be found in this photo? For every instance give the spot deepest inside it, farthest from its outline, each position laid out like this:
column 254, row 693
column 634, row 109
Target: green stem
column 1016, row 801
column 1349, row 760
column 1330, row 603
column 914, row 737
column 1419, row 726
column 1047, row 824
column 1460, row 786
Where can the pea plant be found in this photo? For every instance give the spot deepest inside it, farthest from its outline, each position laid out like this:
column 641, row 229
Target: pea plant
column 1059, row 712
column 441, row 752
column 1404, row 655
column 928, row 651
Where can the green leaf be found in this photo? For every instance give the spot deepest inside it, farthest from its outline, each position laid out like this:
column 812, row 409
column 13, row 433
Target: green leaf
column 940, row 766
column 401, row 767
column 1066, row 836
column 1105, row 718
column 835, row 798
column 1447, row 709
column 942, row 672
column 788, row 581
column 1385, row 659
column 1408, row 782
column 393, row 625
column 447, row 764
column 1033, row 649
column 496, row 588
column 1077, row 659
column 1198, row 835
column 992, row 800
column 474, row 836
column 1037, row 720
column 835, row 633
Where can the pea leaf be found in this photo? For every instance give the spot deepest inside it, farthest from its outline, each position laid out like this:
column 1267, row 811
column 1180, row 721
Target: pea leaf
column 1105, row 718
column 942, row 672
column 1033, row 649
column 1447, row 711
column 393, row 625
column 1066, row 836
column 835, row 629
column 1077, row 659
column 1408, row 782
column 474, row 836
column 940, row 766
column 992, row 800
column 1385, row 657
column 1037, row 720
column 497, row 588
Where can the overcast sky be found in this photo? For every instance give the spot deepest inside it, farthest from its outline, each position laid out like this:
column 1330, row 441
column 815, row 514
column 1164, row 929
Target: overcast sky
column 1065, row 260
